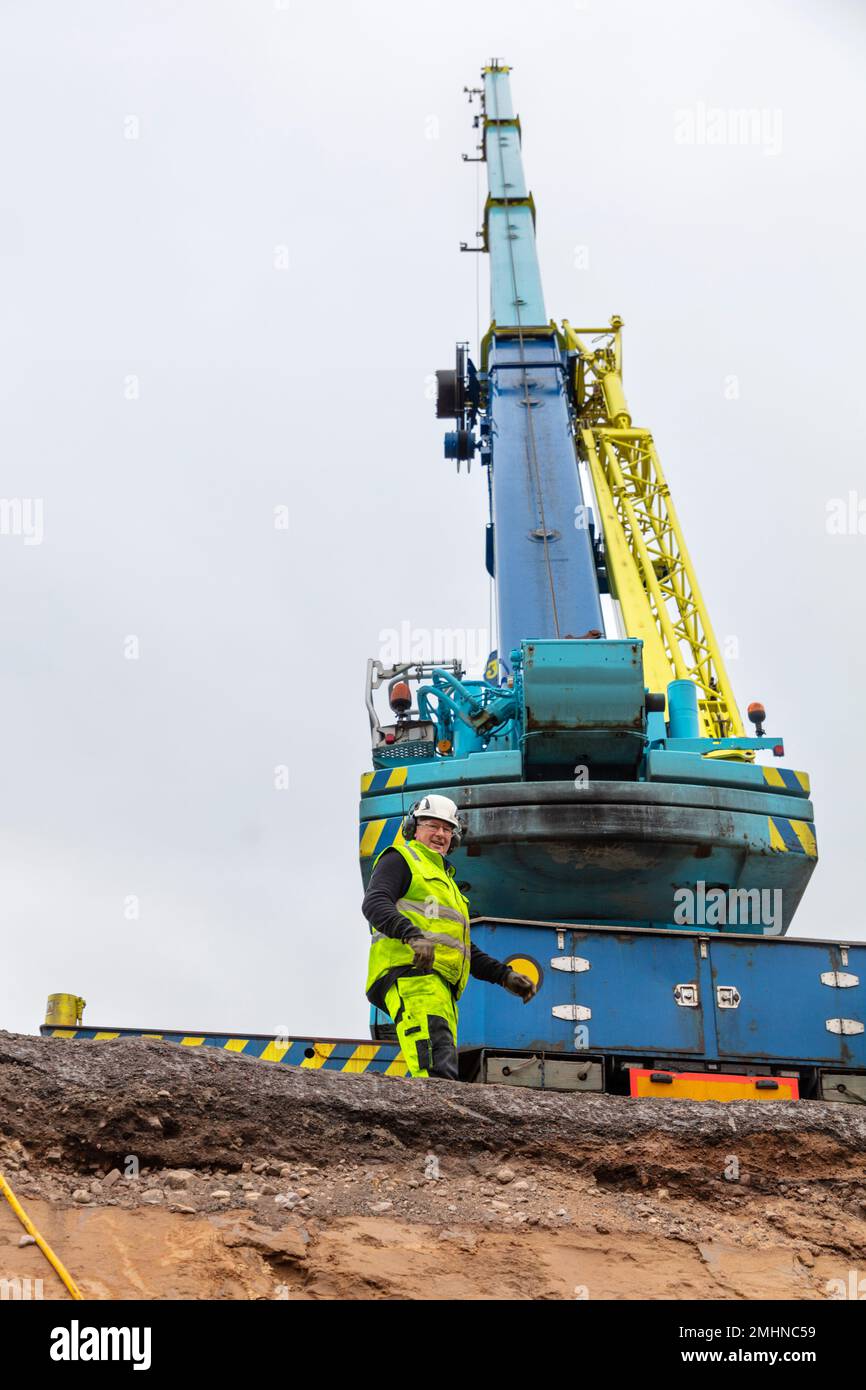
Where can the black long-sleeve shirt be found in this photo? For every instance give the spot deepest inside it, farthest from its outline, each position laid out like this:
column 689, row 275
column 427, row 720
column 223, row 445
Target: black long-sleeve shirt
column 390, row 882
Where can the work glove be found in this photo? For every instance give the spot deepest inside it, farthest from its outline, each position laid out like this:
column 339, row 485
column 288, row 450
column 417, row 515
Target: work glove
column 424, row 950
column 519, row 984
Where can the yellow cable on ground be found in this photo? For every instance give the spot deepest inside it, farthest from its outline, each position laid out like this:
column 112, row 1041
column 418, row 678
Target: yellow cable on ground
column 43, row 1244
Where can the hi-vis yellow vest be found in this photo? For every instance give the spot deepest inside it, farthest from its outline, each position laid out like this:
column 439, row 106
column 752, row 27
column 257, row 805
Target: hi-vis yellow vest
column 434, row 903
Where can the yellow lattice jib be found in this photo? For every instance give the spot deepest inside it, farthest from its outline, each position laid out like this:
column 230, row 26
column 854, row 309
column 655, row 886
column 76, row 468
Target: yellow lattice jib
column 650, row 570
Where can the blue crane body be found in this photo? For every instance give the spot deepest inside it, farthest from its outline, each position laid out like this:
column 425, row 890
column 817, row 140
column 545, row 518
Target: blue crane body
column 623, row 844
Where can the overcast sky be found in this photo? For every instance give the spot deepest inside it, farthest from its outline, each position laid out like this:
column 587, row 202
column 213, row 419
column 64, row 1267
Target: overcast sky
column 230, row 264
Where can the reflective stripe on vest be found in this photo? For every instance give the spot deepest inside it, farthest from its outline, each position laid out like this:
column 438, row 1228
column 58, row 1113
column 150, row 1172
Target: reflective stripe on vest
column 431, row 900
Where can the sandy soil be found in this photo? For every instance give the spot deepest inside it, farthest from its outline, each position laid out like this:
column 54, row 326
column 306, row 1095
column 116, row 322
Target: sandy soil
column 161, row 1172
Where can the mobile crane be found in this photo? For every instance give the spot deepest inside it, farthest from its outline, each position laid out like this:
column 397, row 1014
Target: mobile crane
column 623, row 846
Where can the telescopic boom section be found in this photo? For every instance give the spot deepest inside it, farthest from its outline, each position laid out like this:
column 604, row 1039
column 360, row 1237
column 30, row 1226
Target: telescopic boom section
column 544, row 566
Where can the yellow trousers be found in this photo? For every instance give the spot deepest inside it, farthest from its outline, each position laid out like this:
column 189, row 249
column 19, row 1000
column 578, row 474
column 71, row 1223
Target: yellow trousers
column 424, row 1013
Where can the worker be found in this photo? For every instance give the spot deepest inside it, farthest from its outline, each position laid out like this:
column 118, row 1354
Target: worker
column 420, row 954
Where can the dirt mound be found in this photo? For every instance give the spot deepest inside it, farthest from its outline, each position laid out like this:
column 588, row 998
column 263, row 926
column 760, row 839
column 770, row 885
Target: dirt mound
column 159, row 1171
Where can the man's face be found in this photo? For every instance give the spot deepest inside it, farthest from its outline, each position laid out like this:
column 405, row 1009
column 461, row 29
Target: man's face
column 435, row 834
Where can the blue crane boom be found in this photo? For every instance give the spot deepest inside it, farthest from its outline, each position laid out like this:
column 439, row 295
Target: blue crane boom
column 544, row 563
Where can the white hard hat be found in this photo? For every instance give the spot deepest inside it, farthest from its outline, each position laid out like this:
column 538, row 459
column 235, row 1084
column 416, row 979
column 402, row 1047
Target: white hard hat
column 437, row 808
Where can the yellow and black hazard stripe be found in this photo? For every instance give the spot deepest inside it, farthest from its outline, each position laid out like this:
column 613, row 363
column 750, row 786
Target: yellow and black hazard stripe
column 376, row 835
column 787, row 779
column 384, row 780
column 311, row 1054
column 792, row 836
